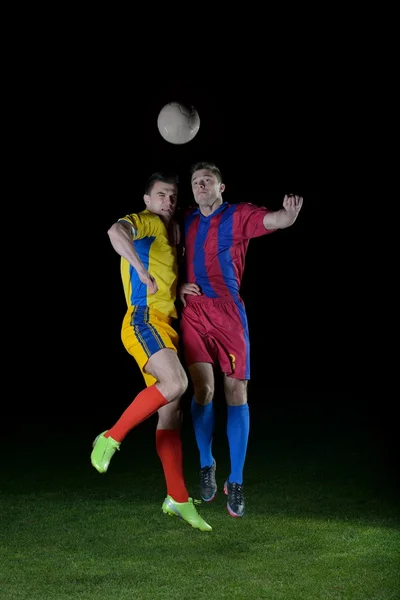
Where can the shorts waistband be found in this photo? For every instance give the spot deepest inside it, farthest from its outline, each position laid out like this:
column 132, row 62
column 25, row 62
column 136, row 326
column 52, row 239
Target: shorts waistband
column 207, row 300
column 146, row 312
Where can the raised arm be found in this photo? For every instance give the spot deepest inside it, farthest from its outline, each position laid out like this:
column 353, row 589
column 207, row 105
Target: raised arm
column 286, row 216
column 121, row 237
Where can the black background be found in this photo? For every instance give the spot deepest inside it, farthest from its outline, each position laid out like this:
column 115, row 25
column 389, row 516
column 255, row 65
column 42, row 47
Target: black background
column 86, row 139
column 99, row 143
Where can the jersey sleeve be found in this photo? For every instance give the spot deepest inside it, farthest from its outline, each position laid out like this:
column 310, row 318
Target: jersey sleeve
column 251, row 220
column 139, row 225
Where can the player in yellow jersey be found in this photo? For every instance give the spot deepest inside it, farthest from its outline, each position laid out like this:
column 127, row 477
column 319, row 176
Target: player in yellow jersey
column 149, row 272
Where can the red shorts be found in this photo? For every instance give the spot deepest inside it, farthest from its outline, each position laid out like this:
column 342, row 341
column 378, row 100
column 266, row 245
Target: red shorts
column 215, row 330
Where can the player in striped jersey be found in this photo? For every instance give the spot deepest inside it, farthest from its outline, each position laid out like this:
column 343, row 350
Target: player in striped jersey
column 214, row 326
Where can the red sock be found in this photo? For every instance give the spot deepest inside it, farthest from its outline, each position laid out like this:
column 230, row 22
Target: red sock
column 146, row 403
column 169, row 449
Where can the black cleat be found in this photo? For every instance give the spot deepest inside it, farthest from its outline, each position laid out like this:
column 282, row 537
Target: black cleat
column 208, row 485
column 235, row 504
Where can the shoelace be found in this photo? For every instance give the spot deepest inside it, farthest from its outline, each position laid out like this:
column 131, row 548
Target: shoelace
column 206, row 476
column 237, row 493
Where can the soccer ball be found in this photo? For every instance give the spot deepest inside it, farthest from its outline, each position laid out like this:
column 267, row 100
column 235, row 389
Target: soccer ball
column 178, row 123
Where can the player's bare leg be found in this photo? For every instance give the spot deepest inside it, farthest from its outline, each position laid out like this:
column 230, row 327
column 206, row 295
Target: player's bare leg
column 168, row 441
column 171, row 384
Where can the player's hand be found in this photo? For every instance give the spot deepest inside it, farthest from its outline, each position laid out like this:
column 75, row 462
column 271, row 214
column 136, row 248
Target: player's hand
column 192, row 289
column 148, row 280
column 292, row 204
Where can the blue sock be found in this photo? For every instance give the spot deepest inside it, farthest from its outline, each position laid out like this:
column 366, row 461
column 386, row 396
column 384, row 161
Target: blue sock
column 203, row 423
column 238, row 427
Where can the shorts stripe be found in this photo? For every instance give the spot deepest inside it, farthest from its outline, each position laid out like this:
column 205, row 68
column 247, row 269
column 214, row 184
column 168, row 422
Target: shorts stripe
column 145, row 332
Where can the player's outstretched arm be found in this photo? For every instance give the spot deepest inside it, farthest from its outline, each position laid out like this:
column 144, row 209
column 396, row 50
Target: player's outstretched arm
column 286, row 216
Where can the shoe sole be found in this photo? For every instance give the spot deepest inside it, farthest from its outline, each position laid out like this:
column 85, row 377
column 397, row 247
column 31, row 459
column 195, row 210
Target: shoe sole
column 209, row 499
column 230, row 511
column 98, row 468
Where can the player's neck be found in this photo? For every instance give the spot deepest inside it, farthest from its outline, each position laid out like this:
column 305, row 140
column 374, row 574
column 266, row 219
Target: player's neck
column 165, row 220
column 206, row 211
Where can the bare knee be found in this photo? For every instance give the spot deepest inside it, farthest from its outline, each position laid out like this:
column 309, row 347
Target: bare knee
column 173, row 388
column 202, row 376
column 235, row 391
column 179, row 384
column 203, row 394
column 171, row 377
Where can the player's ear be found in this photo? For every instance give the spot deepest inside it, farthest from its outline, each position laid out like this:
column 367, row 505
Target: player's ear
column 146, row 199
column 221, row 187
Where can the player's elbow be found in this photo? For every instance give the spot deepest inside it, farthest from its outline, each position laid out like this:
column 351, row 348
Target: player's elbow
column 116, row 231
column 270, row 221
column 112, row 231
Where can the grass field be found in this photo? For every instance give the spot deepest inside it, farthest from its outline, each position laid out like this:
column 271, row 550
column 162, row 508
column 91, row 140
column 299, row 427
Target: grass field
column 322, row 521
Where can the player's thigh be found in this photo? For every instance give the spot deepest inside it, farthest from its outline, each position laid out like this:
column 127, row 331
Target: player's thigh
column 145, row 335
column 235, row 391
column 194, row 336
column 231, row 338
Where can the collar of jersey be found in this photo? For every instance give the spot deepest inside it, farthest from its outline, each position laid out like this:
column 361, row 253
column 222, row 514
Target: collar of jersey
column 215, row 213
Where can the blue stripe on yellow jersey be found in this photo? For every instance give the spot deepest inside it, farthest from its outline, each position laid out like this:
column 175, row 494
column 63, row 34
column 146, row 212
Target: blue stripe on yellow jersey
column 150, row 240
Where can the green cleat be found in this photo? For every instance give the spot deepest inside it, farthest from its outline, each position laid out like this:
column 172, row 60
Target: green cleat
column 103, row 451
column 186, row 511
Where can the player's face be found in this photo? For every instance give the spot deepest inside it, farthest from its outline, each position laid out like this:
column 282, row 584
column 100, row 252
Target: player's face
column 162, row 199
column 206, row 187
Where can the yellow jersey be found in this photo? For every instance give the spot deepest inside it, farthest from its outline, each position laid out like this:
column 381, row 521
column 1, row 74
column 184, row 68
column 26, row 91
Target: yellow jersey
column 151, row 242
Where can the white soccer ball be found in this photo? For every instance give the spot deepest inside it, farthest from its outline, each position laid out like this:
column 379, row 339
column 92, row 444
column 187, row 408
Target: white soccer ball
column 177, row 123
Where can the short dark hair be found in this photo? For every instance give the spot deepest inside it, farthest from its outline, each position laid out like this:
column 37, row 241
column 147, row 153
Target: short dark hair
column 206, row 165
column 160, row 176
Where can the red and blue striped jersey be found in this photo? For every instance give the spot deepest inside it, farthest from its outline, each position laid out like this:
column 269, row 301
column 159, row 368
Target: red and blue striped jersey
column 216, row 246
